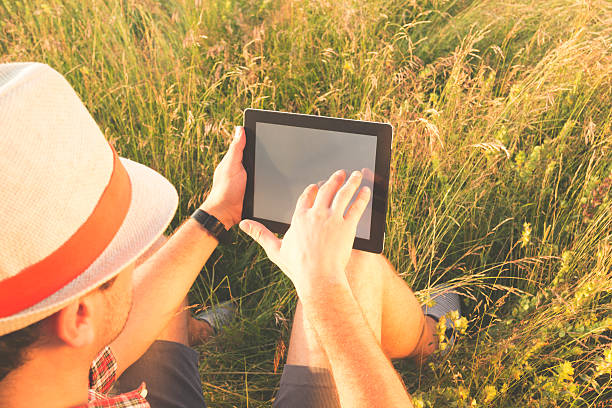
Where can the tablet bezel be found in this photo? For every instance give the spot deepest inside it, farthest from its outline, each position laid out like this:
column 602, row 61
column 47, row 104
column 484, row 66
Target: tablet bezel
column 384, row 135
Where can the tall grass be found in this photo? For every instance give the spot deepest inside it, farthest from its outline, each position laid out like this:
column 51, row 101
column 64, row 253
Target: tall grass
column 501, row 171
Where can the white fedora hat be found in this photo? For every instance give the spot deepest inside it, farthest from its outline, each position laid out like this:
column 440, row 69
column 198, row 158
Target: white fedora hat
column 73, row 213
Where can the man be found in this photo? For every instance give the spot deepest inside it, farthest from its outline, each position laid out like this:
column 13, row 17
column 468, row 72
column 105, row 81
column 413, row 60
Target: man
column 77, row 219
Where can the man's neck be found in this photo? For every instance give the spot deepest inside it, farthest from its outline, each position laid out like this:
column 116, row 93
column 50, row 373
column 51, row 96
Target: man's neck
column 50, row 378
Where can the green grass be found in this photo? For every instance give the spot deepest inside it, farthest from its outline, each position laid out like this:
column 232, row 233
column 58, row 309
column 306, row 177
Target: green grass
column 501, row 170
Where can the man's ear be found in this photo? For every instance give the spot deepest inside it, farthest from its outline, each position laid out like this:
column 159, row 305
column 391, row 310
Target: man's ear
column 75, row 323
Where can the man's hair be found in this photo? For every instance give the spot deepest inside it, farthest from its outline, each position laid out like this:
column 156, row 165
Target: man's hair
column 14, row 346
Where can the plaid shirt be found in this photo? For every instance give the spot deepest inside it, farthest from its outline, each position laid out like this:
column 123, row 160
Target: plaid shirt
column 102, row 376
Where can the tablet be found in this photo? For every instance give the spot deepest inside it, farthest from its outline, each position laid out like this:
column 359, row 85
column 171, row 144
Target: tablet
column 286, row 152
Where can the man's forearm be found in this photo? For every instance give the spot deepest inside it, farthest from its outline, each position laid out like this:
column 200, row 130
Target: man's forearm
column 160, row 285
column 364, row 376
column 162, row 282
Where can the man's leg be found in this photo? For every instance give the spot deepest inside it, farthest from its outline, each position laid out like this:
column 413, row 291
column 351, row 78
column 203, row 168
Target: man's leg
column 406, row 331
column 393, row 313
column 390, row 307
column 185, row 329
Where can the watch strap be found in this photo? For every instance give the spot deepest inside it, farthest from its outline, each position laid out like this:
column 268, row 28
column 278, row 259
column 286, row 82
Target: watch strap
column 211, row 224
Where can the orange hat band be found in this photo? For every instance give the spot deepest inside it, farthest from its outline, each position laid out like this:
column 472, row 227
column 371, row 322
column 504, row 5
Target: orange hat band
column 42, row 279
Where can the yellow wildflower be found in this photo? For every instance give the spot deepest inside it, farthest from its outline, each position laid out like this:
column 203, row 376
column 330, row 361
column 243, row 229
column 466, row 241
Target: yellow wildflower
column 461, row 325
column 526, row 235
column 462, row 393
column 566, row 372
column 490, row 392
column 348, row 66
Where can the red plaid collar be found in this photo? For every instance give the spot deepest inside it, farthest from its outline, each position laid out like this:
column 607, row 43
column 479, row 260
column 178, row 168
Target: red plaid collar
column 102, row 376
column 132, row 399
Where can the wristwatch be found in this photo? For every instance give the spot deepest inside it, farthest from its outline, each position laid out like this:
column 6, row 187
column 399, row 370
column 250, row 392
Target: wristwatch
column 211, row 224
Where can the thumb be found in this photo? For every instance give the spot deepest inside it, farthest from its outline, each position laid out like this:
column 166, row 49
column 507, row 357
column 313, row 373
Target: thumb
column 233, row 156
column 238, row 142
column 262, row 236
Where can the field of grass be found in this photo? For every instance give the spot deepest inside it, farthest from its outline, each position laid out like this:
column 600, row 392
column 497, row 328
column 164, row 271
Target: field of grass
column 501, row 169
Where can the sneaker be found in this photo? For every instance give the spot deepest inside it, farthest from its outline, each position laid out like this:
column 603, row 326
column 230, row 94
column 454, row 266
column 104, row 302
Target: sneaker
column 218, row 316
column 446, row 300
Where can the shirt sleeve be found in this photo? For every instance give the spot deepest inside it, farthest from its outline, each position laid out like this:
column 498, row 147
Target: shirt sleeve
column 103, row 371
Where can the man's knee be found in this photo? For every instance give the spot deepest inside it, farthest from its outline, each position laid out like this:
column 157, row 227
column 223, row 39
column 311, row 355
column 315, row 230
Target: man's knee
column 367, row 265
column 373, row 271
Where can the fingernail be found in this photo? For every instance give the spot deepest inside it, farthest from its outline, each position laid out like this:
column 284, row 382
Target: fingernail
column 237, row 133
column 356, row 174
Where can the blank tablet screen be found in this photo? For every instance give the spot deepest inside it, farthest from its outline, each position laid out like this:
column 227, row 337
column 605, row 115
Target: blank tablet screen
column 289, row 158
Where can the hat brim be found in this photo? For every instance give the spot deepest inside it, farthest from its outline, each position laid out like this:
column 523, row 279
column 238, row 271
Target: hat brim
column 154, row 202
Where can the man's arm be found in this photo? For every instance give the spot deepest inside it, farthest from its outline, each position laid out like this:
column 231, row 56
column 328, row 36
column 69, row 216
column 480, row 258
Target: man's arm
column 363, row 374
column 162, row 282
column 313, row 254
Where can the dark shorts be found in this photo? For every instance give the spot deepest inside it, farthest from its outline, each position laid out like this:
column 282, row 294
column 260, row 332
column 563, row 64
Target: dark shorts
column 306, row 387
column 171, row 373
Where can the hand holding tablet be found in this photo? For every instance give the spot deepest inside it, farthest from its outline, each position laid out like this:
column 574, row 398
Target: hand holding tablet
column 327, row 214
column 286, row 152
